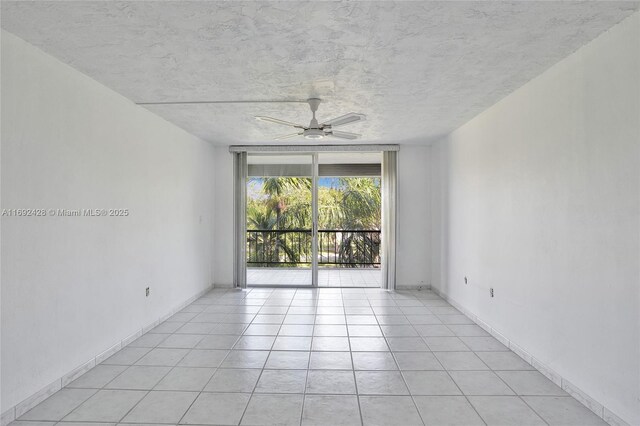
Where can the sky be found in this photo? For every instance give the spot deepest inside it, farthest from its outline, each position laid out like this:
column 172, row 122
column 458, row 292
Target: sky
column 254, row 186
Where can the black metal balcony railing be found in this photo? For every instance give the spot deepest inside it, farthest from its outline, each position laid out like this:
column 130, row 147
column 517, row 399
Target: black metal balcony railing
column 338, row 248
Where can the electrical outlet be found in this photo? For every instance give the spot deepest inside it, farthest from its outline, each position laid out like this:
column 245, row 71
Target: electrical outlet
column 465, row 280
column 146, row 292
column 491, row 292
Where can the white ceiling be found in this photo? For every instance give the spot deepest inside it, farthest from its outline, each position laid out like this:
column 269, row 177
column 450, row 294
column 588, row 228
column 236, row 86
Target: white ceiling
column 417, row 69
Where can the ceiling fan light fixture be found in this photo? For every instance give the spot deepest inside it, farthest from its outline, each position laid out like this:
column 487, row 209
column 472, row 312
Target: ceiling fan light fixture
column 313, row 134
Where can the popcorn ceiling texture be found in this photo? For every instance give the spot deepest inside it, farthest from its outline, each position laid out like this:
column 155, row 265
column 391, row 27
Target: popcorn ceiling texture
column 417, row 69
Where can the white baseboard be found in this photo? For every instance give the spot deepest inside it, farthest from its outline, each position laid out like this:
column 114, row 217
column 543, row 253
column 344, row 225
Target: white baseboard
column 596, row 407
column 413, row 287
column 19, row 409
column 218, row 285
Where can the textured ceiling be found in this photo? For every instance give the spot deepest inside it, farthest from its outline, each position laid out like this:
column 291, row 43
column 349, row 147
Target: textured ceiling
column 417, row 69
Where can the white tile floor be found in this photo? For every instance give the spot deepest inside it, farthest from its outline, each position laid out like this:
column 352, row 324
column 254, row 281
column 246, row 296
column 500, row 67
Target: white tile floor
column 327, row 277
column 313, row 357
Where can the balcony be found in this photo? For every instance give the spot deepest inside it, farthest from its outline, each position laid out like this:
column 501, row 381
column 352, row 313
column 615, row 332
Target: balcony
column 346, row 257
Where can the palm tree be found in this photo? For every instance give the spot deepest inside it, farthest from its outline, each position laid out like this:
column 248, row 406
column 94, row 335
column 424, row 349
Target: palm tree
column 260, row 217
column 278, row 192
column 361, row 207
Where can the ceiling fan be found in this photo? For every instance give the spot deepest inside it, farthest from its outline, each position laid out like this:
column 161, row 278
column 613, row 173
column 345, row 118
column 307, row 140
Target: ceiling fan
column 319, row 131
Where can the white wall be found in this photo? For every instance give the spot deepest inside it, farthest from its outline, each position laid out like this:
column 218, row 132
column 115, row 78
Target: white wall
column 74, row 286
column 538, row 197
column 413, row 217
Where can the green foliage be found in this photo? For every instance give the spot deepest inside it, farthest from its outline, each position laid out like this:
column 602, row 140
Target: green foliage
column 284, row 203
column 360, row 203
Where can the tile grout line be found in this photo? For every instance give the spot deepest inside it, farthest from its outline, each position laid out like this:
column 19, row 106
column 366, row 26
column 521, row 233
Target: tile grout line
column 465, row 396
column 259, row 375
column 103, row 388
column 490, row 370
column 16, row 411
column 449, row 374
column 353, row 365
column 549, row 373
column 234, row 303
column 393, row 355
column 306, row 380
column 265, row 362
column 201, row 391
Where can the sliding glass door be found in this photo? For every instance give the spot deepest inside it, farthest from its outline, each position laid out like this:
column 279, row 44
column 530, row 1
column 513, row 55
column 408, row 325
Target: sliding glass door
column 310, row 219
column 349, row 219
column 279, row 220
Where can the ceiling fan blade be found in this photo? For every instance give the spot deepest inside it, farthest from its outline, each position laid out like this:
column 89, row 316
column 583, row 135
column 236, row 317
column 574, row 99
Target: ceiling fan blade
column 292, row 135
column 352, row 117
column 278, row 121
column 344, row 135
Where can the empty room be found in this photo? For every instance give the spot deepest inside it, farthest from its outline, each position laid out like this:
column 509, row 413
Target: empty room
column 320, row 213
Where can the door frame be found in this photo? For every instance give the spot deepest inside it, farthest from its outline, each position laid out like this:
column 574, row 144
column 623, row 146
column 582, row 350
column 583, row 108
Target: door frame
column 389, row 205
column 314, row 220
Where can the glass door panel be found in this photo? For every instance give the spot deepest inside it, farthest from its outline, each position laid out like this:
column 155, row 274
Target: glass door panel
column 279, row 220
column 349, row 219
